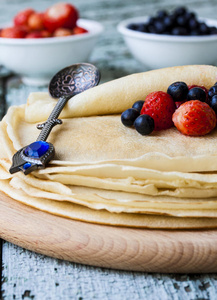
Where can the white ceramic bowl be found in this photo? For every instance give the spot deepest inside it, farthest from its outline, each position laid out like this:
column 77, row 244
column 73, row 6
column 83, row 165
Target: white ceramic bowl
column 159, row 51
column 37, row 60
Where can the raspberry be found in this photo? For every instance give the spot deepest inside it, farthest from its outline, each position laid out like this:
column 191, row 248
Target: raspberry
column 194, row 118
column 160, row 106
column 178, row 103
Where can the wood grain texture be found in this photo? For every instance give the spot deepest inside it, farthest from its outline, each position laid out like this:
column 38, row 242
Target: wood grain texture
column 107, row 246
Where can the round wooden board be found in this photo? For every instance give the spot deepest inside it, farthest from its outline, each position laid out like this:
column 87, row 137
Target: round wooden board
column 146, row 250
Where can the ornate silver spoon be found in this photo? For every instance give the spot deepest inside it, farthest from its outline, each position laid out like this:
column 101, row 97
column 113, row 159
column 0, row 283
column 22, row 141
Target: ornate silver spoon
column 67, row 83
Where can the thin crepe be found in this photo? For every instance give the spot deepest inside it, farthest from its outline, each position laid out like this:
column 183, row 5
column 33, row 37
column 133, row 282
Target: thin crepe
column 101, row 165
column 103, row 139
column 126, row 178
column 82, row 213
column 117, row 95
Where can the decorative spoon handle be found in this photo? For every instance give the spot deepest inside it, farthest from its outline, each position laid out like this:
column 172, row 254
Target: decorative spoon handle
column 37, row 154
column 52, row 119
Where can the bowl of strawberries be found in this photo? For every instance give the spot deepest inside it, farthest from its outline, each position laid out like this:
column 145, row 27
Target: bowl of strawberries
column 38, row 44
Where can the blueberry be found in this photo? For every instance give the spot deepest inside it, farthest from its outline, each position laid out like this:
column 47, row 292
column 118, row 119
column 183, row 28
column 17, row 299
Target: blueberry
column 193, row 23
column 213, row 103
column 132, row 26
column 152, row 29
column 142, row 27
column 179, row 31
column 169, row 21
column 151, row 21
column 138, row 27
column 213, row 30
column 195, row 32
column 182, row 20
column 166, row 32
column 204, row 29
column 178, row 91
column 159, row 26
column 144, row 124
column 161, row 14
column 129, row 116
column 196, row 93
column 138, row 105
column 179, row 11
column 212, row 91
column 190, row 15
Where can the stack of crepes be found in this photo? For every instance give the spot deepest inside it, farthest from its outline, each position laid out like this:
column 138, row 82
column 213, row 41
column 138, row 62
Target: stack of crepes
column 106, row 173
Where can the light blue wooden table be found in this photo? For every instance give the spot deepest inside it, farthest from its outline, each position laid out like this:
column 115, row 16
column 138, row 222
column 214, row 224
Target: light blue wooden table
column 27, row 275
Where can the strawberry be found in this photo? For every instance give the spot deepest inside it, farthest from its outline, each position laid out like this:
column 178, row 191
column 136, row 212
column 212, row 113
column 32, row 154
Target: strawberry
column 13, row 32
column 34, row 35
column 60, row 15
column 59, row 32
column 36, row 22
column 45, row 33
column 194, row 118
column 79, row 30
column 160, row 106
column 21, row 19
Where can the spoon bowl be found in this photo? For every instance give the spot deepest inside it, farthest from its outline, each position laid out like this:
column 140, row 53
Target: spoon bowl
column 73, row 80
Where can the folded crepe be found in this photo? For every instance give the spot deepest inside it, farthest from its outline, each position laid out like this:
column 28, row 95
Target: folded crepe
column 109, row 171
column 117, row 95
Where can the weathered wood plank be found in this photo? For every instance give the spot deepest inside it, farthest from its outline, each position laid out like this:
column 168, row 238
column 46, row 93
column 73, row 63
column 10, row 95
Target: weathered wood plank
column 40, row 277
column 1, row 242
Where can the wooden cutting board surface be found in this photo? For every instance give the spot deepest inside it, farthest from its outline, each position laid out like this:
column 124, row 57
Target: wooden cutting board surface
column 184, row 251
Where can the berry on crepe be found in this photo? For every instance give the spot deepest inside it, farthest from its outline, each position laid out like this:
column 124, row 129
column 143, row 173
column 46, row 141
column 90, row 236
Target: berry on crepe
column 197, row 93
column 129, row 116
column 194, row 118
column 160, row 106
column 178, row 91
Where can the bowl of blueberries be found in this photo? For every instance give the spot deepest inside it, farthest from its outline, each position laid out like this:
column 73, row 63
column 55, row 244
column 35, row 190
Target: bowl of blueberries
column 171, row 38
